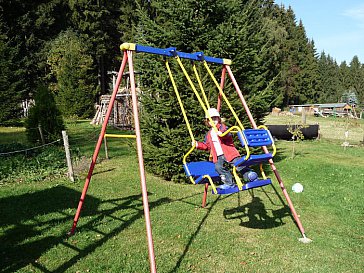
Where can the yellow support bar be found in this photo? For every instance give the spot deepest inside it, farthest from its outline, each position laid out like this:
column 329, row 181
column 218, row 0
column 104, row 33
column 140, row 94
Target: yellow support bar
column 211, row 183
column 223, row 95
column 180, row 102
column 184, row 161
column 201, row 87
column 262, row 171
column 196, row 93
column 237, row 179
column 120, row 136
column 230, row 130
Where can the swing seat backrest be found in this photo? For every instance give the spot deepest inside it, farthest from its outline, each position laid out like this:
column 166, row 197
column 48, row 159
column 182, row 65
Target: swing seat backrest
column 255, row 138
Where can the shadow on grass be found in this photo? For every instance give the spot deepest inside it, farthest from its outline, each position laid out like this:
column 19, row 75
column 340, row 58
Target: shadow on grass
column 255, row 215
column 29, row 223
column 133, row 202
column 193, row 236
column 103, row 171
column 26, row 218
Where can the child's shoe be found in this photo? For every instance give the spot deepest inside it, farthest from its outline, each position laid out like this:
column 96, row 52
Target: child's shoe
column 250, row 176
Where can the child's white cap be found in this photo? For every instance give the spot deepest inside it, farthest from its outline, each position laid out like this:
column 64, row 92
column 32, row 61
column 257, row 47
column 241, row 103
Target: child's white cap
column 212, row 112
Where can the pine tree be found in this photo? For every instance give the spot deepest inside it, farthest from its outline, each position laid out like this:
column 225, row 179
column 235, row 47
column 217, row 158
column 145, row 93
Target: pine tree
column 30, row 24
column 329, row 79
column 44, row 115
column 9, row 82
column 356, row 77
column 222, row 29
column 74, row 83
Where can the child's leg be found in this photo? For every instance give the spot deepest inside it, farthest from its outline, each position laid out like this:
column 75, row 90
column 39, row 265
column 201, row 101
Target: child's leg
column 248, row 174
column 224, row 173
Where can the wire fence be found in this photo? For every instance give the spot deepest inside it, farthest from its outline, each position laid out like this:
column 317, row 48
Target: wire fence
column 90, row 137
column 29, row 149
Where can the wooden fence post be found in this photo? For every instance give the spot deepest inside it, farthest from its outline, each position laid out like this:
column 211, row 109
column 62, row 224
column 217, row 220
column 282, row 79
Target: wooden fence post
column 41, row 134
column 68, row 156
column 303, row 115
column 106, row 148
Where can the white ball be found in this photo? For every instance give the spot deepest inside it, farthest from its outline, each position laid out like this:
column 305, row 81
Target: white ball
column 297, row 187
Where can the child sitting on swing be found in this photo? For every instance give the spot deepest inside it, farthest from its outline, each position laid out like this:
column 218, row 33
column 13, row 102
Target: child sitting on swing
column 223, row 151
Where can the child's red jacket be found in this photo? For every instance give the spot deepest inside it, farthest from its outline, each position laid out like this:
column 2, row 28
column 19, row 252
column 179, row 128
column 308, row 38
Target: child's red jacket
column 226, row 142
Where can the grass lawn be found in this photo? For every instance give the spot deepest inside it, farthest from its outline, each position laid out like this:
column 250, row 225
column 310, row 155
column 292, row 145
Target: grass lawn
column 245, row 232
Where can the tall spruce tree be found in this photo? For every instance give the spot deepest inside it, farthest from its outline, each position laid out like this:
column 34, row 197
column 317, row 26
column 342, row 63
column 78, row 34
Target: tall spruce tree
column 356, row 77
column 10, row 95
column 231, row 29
column 329, row 79
column 30, row 24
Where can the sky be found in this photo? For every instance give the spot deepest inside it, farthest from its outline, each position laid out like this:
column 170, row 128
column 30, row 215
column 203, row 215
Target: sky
column 336, row 26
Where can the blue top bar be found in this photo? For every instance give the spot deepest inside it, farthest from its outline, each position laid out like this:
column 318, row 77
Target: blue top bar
column 172, row 52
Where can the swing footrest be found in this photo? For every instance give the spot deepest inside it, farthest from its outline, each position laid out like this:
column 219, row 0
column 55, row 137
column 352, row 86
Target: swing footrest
column 256, row 184
column 231, row 190
column 246, row 186
column 253, row 160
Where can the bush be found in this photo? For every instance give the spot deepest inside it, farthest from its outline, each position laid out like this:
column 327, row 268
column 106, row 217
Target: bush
column 46, row 115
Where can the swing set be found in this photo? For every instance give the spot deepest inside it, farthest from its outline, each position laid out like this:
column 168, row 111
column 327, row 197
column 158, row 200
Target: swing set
column 204, row 171
column 198, row 172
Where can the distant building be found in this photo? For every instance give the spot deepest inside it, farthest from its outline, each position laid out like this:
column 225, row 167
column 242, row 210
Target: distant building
column 323, row 109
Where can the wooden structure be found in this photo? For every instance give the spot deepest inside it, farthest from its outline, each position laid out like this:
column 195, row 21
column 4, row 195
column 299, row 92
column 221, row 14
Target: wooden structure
column 26, row 104
column 122, row 115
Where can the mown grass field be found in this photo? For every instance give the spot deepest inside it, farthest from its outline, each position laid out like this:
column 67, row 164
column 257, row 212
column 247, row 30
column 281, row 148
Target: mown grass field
column 245, row 232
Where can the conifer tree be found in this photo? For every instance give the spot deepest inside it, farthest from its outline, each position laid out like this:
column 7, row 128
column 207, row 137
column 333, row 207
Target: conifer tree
column 10, row 96
column 356, row 77
column 222, row 29
column 44, row 115
column 30, row 24
column 70, row 66
column 329, row 79
column 96, row 24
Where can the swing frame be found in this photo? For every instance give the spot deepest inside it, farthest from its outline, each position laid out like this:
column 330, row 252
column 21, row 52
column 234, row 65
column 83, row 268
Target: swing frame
column 128, row 49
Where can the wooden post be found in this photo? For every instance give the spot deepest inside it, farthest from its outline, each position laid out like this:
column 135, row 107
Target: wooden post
column 106, row 150
column 303, row 115
column 68, row 156
column 41, row 134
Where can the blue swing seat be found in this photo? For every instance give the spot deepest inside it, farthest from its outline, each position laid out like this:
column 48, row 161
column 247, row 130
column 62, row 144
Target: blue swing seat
column 199, row 169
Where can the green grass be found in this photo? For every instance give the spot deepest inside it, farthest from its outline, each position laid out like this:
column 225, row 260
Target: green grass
column 10, row 135
column 245, row 232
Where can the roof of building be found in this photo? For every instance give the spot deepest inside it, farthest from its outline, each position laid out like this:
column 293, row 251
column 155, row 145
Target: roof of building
column 322, row 105
column 332, row 105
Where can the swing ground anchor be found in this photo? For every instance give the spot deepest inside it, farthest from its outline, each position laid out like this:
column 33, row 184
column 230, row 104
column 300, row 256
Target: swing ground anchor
column 304, row 239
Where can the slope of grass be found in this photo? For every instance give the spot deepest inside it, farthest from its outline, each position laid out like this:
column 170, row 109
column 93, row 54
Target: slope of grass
column 245, row 232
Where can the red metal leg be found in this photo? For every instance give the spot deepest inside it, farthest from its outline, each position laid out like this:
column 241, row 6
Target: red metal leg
column 222, row 83
column 141, row 166
column 98, row 145
column 205, row 195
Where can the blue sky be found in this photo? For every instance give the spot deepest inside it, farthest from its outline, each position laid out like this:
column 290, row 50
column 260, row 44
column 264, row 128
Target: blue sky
column 336, row 26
